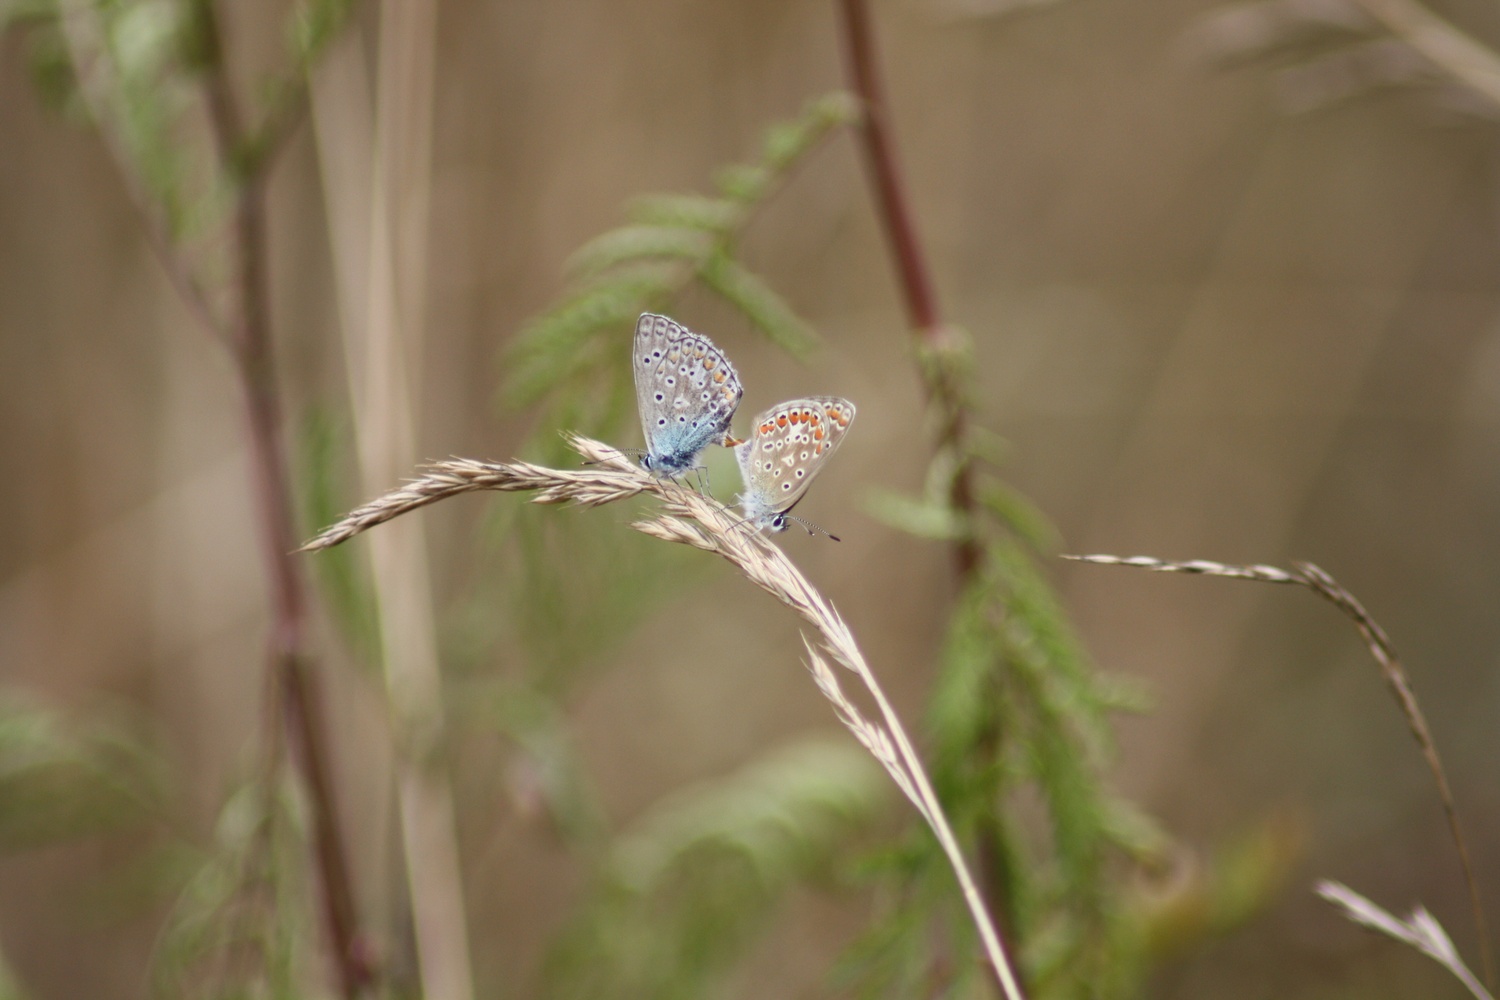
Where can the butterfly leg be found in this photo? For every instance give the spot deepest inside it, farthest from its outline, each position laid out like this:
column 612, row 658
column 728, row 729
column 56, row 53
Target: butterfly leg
column 703, row 486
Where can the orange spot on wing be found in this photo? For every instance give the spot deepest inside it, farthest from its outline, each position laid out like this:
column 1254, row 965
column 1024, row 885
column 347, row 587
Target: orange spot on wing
column 720, row 378
column 781, row 420
column 819, row 435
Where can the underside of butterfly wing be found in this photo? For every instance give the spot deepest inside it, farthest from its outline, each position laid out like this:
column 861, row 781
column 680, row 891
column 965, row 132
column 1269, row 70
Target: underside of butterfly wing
column 686, row 392
column 788, row 446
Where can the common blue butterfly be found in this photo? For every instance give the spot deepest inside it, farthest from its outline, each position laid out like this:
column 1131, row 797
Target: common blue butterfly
column 787, row 447
column 686, row 392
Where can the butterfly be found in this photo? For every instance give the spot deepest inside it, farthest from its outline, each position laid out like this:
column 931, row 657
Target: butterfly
column 787, row 447
column 686, row 392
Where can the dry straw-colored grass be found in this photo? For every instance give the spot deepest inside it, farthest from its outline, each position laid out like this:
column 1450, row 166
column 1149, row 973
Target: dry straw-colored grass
column 1320, row 582
column 692, row 519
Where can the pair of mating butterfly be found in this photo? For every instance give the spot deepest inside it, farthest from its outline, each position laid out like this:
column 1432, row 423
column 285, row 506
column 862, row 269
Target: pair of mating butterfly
column 687, row 392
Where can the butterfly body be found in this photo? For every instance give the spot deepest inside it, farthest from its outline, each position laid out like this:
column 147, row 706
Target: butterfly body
column 787, row 447
column 686, row 392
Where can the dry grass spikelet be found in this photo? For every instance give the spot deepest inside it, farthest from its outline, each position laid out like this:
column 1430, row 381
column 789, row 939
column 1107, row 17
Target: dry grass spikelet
column 690, row 518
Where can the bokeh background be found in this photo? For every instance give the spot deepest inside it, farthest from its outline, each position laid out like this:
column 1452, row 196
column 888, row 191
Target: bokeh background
column 1213, row 317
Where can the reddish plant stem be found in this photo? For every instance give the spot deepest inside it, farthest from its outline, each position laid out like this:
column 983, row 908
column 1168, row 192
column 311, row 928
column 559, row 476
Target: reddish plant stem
column 943, row 385
column 942, row 364
column 890, row 189
column 295, row 678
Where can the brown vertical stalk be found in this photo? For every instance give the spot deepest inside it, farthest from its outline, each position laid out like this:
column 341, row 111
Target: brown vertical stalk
column 941, row 372
column 244, row 326
column 939, row 347
column 300, row 693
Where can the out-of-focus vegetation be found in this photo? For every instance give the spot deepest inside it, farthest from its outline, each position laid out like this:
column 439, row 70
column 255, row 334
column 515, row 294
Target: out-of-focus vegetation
column 636, row 806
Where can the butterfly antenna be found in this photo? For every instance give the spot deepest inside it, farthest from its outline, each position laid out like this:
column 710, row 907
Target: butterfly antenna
column 813, row 529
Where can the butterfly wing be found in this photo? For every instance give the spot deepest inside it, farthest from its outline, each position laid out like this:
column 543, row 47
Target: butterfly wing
column 788, row 446
column 685, row 390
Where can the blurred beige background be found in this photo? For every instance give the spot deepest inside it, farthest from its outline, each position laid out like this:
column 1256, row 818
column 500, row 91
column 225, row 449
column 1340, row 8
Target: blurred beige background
column 1206, row 327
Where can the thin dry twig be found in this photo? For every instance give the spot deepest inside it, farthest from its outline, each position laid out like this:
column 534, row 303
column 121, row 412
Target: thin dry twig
column 690, row 518
column 1316, row 579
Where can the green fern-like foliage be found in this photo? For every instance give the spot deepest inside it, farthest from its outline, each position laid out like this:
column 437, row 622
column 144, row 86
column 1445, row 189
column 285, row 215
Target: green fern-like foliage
column 241, row 925
column 1020, row 743
column 137, row 72
column 570, row 587
column 685, row 889
column 60, row 780
column 669, row 242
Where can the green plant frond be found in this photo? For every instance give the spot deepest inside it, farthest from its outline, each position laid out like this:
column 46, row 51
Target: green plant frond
column 547, row 351
column 1018, row 514
column 313, row 25
column 580, row 584
column 899, row 955
column 544, row 770
column 781, row 812
column 964, row 710
column 937, row 522
column 695, row 877
column 766, row 310
column 241, row 926
column 1016, row 716
column 59, row 781
column 1136, row 832
column 891, row 959
column 671, row 241
column 1034, row 608
column 788, row 142
column 687, row 211
column 746, row 183
column 641, row 242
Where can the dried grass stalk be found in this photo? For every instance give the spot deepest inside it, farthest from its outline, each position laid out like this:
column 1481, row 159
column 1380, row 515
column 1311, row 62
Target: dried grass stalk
column 690, row 518
column 1316, row 579
column 1420, row 930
